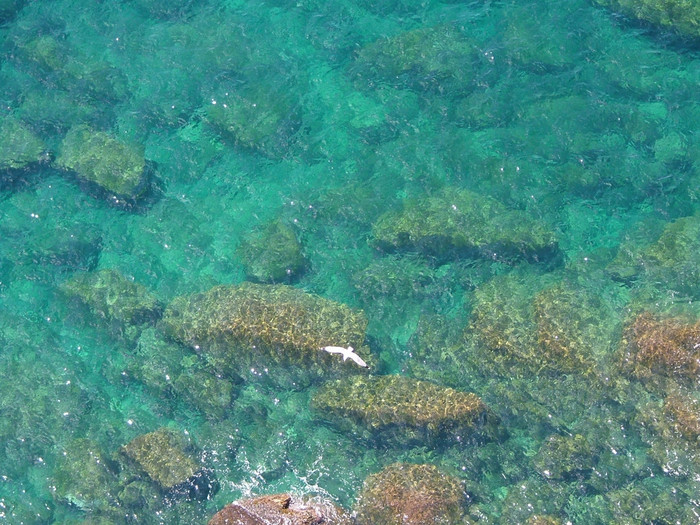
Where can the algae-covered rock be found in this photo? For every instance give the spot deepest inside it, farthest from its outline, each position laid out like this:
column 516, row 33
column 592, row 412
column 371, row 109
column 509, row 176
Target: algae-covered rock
column 267, row 332
column 671, row 260
column 273, row 254
column 400, row 409
column 83, row 477
column 433, row 59
column 557, row 327
column 408, row 494
column 667, row 346
column 256, row 116
column 456, row 221
column 113, row 297
column 98, row 157
column 280, row 509
column 682, row 16
column 8, row 8
column 564, row 457
column 164, row 457
column 19, row 146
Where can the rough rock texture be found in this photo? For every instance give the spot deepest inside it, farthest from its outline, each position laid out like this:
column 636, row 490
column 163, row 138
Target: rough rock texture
column 115, row 166
column 280, row 509
column 559, row 327
column 400, row 409
column 563, row 457
column 256, row 116
column 459, row 222
column 83, row 478
column 437, row 58
column 670, row 262
column 667, row 346
column 114, row 297
column 407, row 494
column 679, row 15
column 162, row 455
column 273, row 254
column 272, row 331
column 19, row 146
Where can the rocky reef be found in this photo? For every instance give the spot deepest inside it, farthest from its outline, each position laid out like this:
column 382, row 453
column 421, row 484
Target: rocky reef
column 409, row 494
column 118, row 167
column 456, row 222
column 272, row 254
column 268, row 333
column 400, row 410
column 677, row 15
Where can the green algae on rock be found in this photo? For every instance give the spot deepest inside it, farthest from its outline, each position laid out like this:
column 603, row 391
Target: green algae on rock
column 273, row 333
column 19, row 146
column 272, row 254
column 98, row 157
column 400, row 409
column 456, row 221
column 409, row 494
column 114, row 297
column 83, row 478
column 682, row 16
column 258, row 117
column 557, row 327
column 432, row 59
column 164, row 457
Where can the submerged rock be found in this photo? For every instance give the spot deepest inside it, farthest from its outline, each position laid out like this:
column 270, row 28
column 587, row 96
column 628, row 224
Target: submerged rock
column 256, row 116
column 19, row 146
column 273, row 254
column 407, row 494
column 163, row 456
column 115, row 166
column 83, row 478
column 667, row 346
column 280, row 509
column 433, row 59
column 678, row 15
column 114, row 297
column 460, row 222
column 400, row 409
column 269, row 333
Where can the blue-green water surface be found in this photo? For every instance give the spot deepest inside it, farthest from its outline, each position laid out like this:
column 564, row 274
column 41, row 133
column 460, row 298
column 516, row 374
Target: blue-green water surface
column 580, row 119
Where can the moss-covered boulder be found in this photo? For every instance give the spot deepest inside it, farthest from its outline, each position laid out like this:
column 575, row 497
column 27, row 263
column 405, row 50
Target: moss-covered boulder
column 117, row 167
column 113, row 296
column 558, row 327
column 272, row 254
column 19, row 146
column 280, row 509
column 459, row 222
column 177, row 375
column 670, row 260
column 166, row 459
column 84, row 478
column 408, row 494
column 256, row 116
column 564, row 457
column 400, row 410
column 682, row 16
column 268, row 333
column 433, row 59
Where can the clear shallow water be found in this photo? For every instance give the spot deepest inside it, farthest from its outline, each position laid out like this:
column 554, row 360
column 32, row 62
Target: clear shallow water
column 563, row 110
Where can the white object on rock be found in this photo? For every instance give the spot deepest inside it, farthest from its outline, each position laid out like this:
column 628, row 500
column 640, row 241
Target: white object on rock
column 347, row 353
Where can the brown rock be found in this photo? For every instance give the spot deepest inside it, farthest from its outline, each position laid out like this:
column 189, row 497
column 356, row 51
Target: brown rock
column 279, row 509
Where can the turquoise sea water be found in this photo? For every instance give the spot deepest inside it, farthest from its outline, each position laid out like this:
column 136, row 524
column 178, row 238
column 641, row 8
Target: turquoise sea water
column 568, row 113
